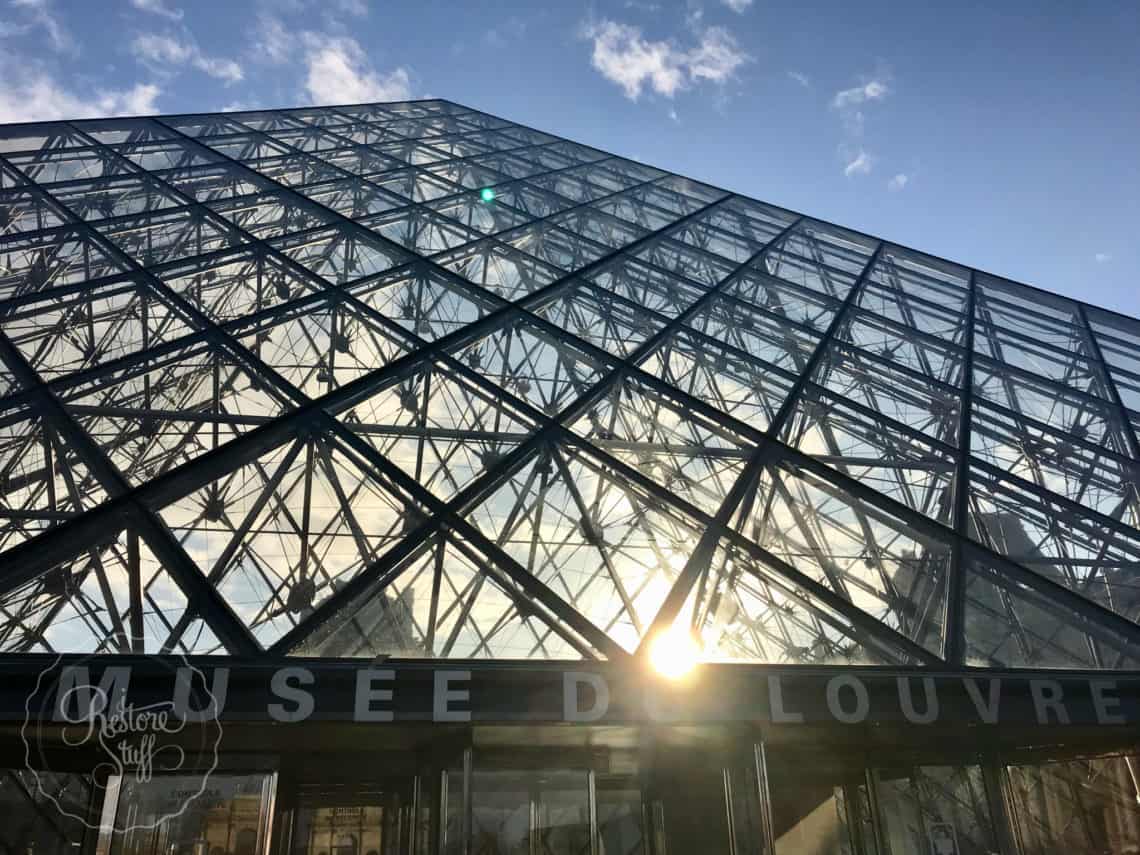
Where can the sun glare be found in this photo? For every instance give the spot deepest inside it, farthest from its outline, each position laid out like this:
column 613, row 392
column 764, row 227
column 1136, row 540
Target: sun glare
column 674, row 653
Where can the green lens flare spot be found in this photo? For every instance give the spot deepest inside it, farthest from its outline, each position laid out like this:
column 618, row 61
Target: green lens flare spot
column 487, row 194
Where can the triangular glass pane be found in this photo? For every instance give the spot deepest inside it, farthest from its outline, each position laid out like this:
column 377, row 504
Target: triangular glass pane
column 868, row 557
column 160, row 412
column 1087, row 554
column 426, row 302
column 441, row 430
column 237, row 285
column 322, row 346
column 1010, row 625
column 547, row 370
column 742, row 610
column 864, row 447
column 602, row 319
column 281, row 533
column 84, row 605
column 608, row 548
column 687, row 454
column 445, row 602
column 43, row 482
column 730, row 380
column 75, row 331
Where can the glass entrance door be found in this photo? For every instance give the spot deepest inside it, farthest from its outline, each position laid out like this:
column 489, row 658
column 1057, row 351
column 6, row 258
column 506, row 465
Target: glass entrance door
column 356, row 820
column 187, row 815
column 936, row 810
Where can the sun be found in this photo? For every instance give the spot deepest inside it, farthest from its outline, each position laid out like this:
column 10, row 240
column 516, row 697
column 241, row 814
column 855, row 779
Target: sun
column 674, row 653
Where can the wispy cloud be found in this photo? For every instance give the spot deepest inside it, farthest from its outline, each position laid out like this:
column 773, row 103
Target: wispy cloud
column 851, row 105
column 800, row 78
column 860, row 164
column 738, row 6
column 162, row 52
column 898, row 181
column 625, row 57
column 872, row 90
column 33, row 14
column 338, row 71
column 158, row 7
column 1102, row 257
column 271, row 40
column 716, row 57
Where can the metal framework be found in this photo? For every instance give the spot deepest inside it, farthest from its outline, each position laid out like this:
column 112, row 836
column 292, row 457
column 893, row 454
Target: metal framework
column 411, row 380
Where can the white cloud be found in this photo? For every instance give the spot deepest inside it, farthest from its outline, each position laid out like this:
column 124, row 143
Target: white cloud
column 162, row 51
column 673, row 115
column 1102, row 257
column 158, row 7
column 738, row 6
column 898, row 182
column 271, row 41
column 716, row 57
column 339, row 72
column 31, row 94
column 634, row 63
column 623, row 56
column 38, row 13
column 874, row 90
column 800, row 78
column 859, row 165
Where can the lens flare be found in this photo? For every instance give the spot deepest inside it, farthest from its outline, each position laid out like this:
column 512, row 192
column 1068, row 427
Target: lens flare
column 674, row 653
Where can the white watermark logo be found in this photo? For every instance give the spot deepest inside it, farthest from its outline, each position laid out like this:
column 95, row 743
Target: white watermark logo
column 72, row 708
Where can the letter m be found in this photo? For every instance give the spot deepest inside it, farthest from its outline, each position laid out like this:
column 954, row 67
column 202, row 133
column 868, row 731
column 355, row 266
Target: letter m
column 75, row 695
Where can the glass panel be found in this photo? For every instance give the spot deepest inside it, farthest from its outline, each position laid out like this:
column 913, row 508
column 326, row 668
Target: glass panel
column 809, row 808
column 937, row 809
column 531, row 812
column 229, row 816
column 84, row 605
column 1079, row 807
column 352, row 819
column 741, row 609
column 621, row 820
column 446, row 601
column 694, row 803
column 866, row 556
column 32, row 824
column 610, row 548
column 1010, row 624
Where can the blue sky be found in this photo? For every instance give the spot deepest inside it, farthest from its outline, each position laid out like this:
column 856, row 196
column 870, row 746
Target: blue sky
column 1003, row 135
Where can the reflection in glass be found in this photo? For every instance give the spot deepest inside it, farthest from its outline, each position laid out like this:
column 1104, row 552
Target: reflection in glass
column 355, row 821
column 1077, row 808
column 519, row 813
column 621, row 821
column 936, row 809
column 30, row 824
column 809, row 804
column 176, row 816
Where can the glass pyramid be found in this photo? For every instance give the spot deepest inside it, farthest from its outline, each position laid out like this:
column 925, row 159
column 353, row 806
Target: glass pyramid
column 408, row 379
